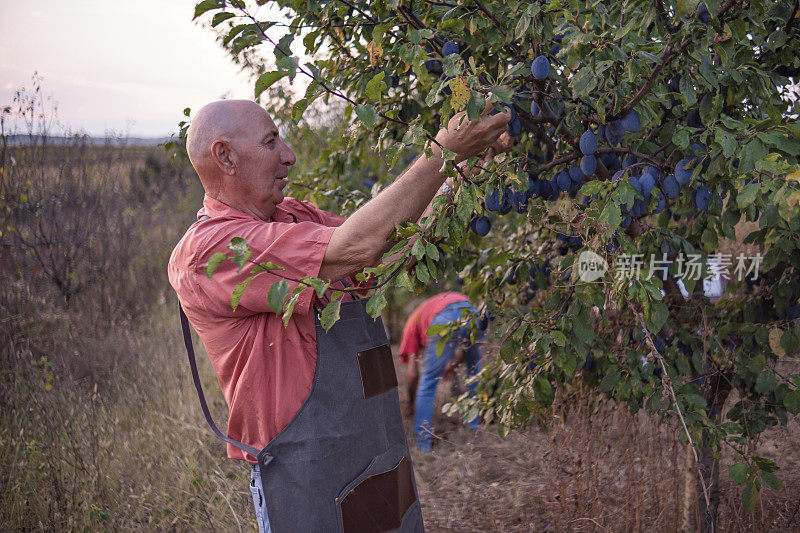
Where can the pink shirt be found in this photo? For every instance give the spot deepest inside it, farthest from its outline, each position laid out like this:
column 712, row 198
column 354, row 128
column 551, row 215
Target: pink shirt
column 415, row 337
column 265, row 370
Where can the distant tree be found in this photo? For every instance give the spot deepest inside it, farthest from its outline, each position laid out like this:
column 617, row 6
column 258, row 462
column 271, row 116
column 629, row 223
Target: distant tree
column 645, row 129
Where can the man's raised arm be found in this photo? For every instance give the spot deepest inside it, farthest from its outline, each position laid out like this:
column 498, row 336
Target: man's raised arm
column 363, row 238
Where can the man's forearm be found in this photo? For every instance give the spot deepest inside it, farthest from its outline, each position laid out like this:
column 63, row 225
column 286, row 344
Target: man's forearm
column 364, row 237
column 404, row 200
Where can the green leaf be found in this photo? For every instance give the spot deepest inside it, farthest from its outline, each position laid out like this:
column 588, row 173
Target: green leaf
column 221, row 17
column 543, row 390
column 657, row 316
column 727, row 141
column 753, row 152
column 214, row 262
column 266, row 80
column 432, row 251
column 765, row 465
column 790, row 342
column 610, row 218
column 609, row 381
column 277, row 294
column 738, row 473
column 298, row 109
column 418, row 250
column 320, row 286
column 330, row 314
column 287, row 314
column 375, row 86
column 263, row 267
column 750, row 497
column 747, row 195
column 584, row 81
column 238, row 291
column 771, row 480
column 204, row 6
column 367, row 114
column 241, row 252
column 766, row 382
column 792, row 402
column 376, row 304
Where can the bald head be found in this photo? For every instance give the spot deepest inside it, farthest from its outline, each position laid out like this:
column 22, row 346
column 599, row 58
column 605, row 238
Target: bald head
column 223, row 120
column 235, row 148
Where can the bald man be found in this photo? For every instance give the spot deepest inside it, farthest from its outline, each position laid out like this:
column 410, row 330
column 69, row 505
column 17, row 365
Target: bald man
column 315, row 412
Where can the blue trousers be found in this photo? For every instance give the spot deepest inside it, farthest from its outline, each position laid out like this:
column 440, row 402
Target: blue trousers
column 433, row 367
column 258, row 500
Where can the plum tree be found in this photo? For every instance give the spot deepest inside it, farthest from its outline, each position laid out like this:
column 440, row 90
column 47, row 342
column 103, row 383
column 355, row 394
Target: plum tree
column 702, row 94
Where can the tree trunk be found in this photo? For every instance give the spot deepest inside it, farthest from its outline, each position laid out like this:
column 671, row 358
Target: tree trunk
column 715, row 395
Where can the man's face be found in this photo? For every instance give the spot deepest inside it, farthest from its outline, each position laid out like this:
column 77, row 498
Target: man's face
column 265, row 163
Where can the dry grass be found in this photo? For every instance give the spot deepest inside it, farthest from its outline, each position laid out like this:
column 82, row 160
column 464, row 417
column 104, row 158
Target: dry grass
column 598, row 468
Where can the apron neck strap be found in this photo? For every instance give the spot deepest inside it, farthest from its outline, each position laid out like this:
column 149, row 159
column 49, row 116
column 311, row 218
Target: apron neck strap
column 187, row 340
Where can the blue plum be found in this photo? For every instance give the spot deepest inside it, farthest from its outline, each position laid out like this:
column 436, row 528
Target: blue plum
column 662, row 202
column 671, row 187
column 588, row 164
column 683, row 171
column 540, row 67
column 520, row 201
column 647, row 182
column 614, row 132
column 508, row 203
column 534, row 188
column 449, row 48
column 702, row 197
column 634, row 181
column 434, row 66
column 588, row 143
column 493, row 202
column 611, row 161
column 575, row 174
column 481, row 225
column 632, row 122
column 628, row 160
column 702, row 13
column 563, row 180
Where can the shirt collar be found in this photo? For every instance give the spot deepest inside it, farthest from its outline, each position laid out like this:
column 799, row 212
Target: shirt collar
column 214, row 208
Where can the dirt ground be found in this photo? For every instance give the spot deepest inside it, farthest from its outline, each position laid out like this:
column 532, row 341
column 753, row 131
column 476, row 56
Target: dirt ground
column 598, row 469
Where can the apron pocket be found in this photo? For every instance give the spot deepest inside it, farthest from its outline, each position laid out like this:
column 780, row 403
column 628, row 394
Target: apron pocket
column 377, row 370
column 379, row 497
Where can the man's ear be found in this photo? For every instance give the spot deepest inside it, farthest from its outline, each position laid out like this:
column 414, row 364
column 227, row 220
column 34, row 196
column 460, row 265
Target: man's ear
column 223, row 157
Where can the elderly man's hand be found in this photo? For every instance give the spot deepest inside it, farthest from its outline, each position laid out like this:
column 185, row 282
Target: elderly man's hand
column 471, row 137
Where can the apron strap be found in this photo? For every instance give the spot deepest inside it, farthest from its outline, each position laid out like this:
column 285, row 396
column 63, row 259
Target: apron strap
column 187, row 340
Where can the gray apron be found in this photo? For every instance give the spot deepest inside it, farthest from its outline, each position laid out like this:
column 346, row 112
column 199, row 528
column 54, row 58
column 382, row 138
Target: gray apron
column 342, row 463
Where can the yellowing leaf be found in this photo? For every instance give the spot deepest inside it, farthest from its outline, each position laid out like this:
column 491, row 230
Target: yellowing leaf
column 375, row 52
column 794, row 176
column 461, row 93
column 775, row 342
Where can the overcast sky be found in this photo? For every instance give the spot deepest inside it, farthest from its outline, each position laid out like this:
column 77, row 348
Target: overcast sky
column 127, row 66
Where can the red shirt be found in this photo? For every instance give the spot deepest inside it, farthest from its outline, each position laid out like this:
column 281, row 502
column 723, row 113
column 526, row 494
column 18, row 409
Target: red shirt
column 265, row 370
column 415, row 337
